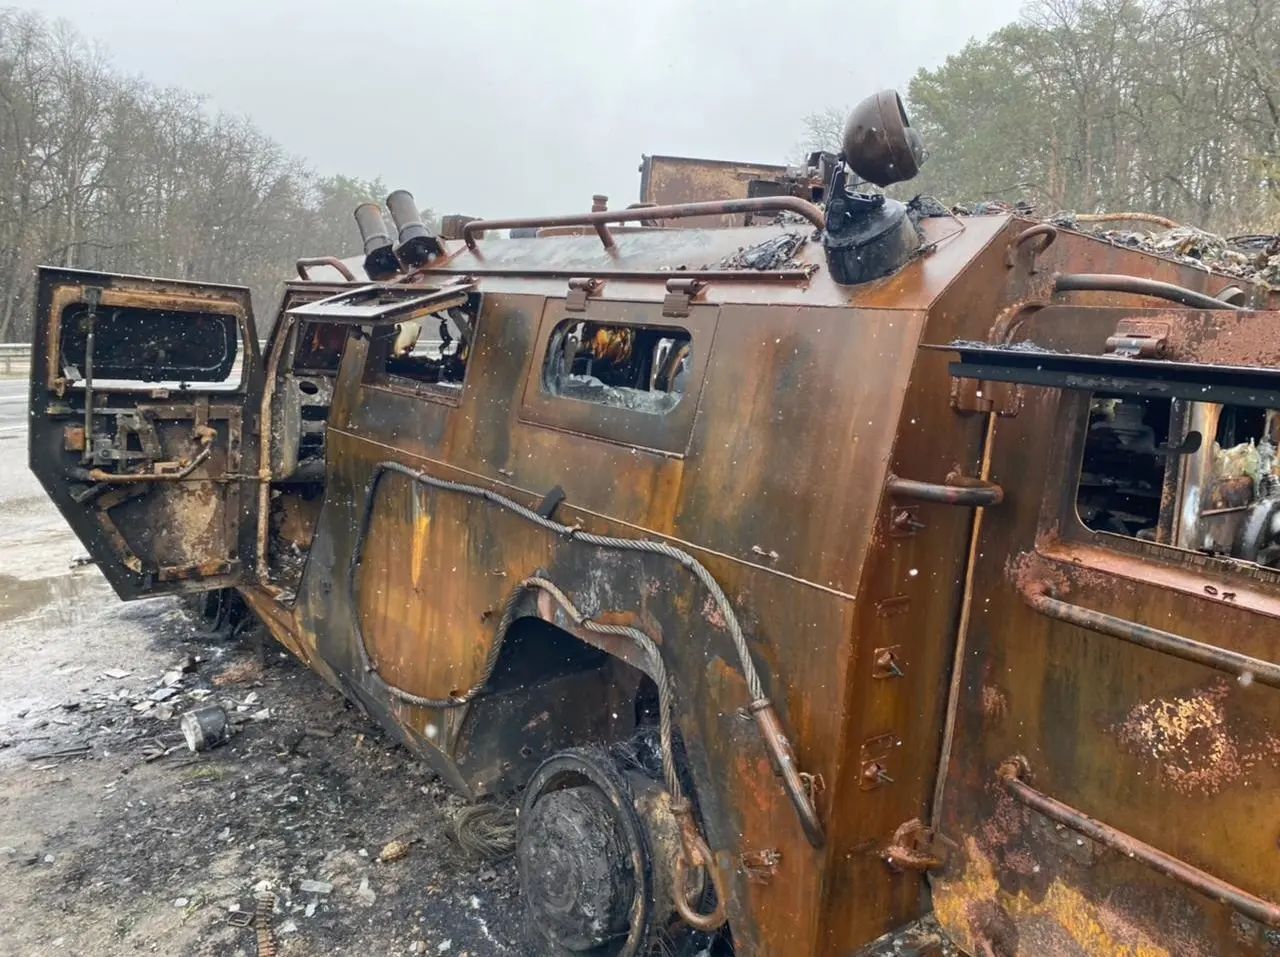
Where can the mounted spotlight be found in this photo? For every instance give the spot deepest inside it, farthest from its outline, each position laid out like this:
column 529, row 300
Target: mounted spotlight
column 879, row 142
column 868, row 235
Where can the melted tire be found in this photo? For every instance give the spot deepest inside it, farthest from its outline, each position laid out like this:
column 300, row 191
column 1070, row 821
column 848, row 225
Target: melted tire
column 584, row 860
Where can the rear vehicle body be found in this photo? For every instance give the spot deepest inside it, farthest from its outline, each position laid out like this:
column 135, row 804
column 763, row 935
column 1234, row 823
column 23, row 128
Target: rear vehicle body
column 943, row 595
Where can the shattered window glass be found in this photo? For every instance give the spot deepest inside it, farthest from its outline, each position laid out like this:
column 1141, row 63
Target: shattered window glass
column 320, row 347
column 641, row 368
column 432, row 351
column 1197, row 475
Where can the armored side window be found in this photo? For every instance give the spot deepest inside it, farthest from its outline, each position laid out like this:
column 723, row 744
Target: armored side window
column 640, row 368
column 1200, row 476
column 431, row 352
column 320, row 347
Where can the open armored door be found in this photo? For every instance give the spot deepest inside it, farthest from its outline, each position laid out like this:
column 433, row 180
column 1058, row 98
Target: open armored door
column 1112, row 779
column 143, row 425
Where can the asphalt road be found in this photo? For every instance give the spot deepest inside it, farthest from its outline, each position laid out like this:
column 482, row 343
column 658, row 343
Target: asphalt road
column 13, row 413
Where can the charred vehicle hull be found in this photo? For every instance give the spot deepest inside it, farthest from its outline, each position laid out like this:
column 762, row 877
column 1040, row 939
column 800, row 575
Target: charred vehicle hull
column 829, row 617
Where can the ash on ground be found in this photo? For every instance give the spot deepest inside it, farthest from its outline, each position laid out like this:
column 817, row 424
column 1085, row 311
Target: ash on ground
column 117, row 839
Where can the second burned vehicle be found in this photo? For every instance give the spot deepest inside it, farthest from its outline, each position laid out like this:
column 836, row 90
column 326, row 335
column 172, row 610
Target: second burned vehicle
column 861, row 581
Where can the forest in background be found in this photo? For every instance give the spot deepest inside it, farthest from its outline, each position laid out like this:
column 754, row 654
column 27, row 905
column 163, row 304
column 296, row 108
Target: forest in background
column 101, row 170
column 1163, row 106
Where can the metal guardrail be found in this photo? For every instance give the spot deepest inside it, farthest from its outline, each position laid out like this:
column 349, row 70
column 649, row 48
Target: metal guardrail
column 15, row 355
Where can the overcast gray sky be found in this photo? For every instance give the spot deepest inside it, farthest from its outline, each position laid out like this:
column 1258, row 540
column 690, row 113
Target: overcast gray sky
column 502, row 107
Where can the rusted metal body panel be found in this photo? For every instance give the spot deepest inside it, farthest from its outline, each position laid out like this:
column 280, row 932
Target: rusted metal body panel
column 683, row 179
column 787, row 545
column 1167, row 768
column 179, row 522
column 824, row 467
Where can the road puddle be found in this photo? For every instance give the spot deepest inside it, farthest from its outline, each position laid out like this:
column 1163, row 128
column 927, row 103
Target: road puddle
column 58, row 597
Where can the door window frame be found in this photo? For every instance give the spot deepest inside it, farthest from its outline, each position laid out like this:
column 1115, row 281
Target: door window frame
column 73, row 293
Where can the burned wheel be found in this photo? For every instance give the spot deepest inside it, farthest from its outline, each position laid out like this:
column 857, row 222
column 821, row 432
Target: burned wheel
column 219, row 614
column 585, row 859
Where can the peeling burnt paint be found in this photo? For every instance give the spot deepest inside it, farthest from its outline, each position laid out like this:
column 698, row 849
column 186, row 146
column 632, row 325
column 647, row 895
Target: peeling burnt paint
column 990, row 918
column 1198, row 741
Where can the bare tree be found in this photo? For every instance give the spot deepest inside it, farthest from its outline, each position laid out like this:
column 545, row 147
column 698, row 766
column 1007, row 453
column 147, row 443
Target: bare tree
column 103, row 171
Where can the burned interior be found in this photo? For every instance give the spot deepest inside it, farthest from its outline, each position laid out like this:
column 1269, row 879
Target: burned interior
column 819, row 573
column 1215, row 496
column 627, row 367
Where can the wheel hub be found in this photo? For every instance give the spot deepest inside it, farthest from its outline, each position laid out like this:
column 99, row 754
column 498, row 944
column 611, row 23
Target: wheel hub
column 575, row 868
column 584, row 859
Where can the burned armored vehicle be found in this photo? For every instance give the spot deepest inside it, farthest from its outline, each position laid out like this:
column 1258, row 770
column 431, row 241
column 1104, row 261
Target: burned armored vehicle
column 864, row 580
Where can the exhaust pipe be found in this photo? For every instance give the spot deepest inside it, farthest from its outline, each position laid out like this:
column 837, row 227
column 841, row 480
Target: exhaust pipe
column 417, row 246
column 379, row 258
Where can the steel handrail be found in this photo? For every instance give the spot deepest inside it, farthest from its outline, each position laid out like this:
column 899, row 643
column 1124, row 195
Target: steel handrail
column 973, row 493
column 333, row 262
column 1039, row 597
column 763, row 204
column 1012, row 773
column 1138, row 286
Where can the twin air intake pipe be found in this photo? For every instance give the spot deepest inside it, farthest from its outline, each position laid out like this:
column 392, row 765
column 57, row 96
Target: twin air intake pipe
column 415, row 245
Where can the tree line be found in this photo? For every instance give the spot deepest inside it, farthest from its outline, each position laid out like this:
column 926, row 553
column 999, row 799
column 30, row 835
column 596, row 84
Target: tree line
column 1164, row 106
column 100, row 170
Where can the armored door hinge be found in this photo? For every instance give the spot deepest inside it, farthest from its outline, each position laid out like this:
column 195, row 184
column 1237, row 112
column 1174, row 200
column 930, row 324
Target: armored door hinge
column 580, row 289
column 1139, row 339
column 680, row 295
column 915, row 847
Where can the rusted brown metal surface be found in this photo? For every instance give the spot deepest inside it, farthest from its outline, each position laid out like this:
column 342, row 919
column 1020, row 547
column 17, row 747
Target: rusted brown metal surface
column 819, row 558
column 668, row 180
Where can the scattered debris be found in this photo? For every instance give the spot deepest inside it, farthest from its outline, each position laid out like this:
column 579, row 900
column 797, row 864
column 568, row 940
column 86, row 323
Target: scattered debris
column 262, row 924
column 1255, row 257
column 487, row 830
column 205, row 727
column 393, row 851
column 365, row 892
column 105, row 805
column 155, row 749
column 776, row 253
column 244, row 672
column 72, row 751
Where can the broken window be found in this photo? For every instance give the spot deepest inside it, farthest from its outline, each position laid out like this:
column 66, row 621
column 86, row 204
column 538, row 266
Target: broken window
column 641, row 368
column 1122, row 476
column 1196, row 475
column 320, row 347
column 430, row 351
column 135, row 345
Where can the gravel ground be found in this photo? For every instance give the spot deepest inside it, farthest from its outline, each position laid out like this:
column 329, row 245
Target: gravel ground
column 115, row 839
